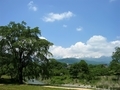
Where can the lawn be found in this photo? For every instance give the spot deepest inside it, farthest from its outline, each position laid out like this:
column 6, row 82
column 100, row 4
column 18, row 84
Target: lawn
column 26, row 87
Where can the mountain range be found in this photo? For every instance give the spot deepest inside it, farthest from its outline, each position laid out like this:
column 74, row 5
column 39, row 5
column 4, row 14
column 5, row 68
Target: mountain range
column 101, row 60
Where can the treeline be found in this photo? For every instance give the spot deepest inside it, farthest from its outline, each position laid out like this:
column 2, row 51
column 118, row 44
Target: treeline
column 82, row 72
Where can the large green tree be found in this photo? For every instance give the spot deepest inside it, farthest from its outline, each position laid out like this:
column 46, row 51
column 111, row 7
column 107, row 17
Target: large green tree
column 23, row 45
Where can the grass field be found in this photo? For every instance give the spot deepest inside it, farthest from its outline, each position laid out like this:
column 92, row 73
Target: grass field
column 32, row 87
column 7, row 84
column 26, row 87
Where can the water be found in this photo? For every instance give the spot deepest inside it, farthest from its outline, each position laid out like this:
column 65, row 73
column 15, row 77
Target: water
column 34, row 82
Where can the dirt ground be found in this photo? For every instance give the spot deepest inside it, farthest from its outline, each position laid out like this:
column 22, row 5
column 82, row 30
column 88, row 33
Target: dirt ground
column 68, row 88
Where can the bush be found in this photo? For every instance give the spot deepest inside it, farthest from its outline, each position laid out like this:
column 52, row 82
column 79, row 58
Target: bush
column 57, row 80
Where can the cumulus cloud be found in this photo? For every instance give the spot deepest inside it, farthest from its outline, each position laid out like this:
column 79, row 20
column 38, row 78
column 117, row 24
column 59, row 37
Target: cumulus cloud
column 64, row 25
column 51, row 17
column 79, row 28
column 32, row 6
column 95, row 47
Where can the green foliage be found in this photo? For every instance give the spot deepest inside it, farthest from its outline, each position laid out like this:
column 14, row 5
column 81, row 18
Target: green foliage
column 115, row 63
column 99, row 70
column 79, row 70
column 57, row 68
column 58, row 72
column 74, row 70
column 116, row 54
column 57, row 80
column 21, row 48
column 83, row 67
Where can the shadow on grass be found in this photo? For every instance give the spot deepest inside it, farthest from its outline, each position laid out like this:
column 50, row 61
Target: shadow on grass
column 8, row 81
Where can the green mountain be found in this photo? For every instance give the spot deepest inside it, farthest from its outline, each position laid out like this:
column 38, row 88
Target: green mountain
column 101, row 60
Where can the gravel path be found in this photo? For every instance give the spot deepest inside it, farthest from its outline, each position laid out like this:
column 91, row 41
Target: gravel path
column 68, row 88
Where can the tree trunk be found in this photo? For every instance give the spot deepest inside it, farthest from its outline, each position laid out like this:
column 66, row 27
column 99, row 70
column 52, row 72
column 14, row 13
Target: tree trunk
column 20, row 76
column 20, row 70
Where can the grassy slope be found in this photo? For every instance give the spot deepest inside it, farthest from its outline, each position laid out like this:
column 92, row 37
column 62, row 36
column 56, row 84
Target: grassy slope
column 25, row 87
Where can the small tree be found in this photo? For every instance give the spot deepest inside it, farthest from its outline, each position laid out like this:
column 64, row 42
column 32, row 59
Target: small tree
column 83, row 70
column 74, row 70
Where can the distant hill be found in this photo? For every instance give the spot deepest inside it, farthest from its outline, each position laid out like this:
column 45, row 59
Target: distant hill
column 101, row 60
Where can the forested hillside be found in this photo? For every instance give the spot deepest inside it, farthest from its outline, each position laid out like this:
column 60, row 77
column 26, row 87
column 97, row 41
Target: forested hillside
column 101, row 60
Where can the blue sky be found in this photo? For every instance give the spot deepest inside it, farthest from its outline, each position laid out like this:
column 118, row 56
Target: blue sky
column 71, row 25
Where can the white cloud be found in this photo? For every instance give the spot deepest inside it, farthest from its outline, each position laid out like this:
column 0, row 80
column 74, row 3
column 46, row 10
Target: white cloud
column 79, row 28
column 112, row 0
column 64, row 25
column 32, row 6
column 51, row 17
column 41, row 37
column 95, row 47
